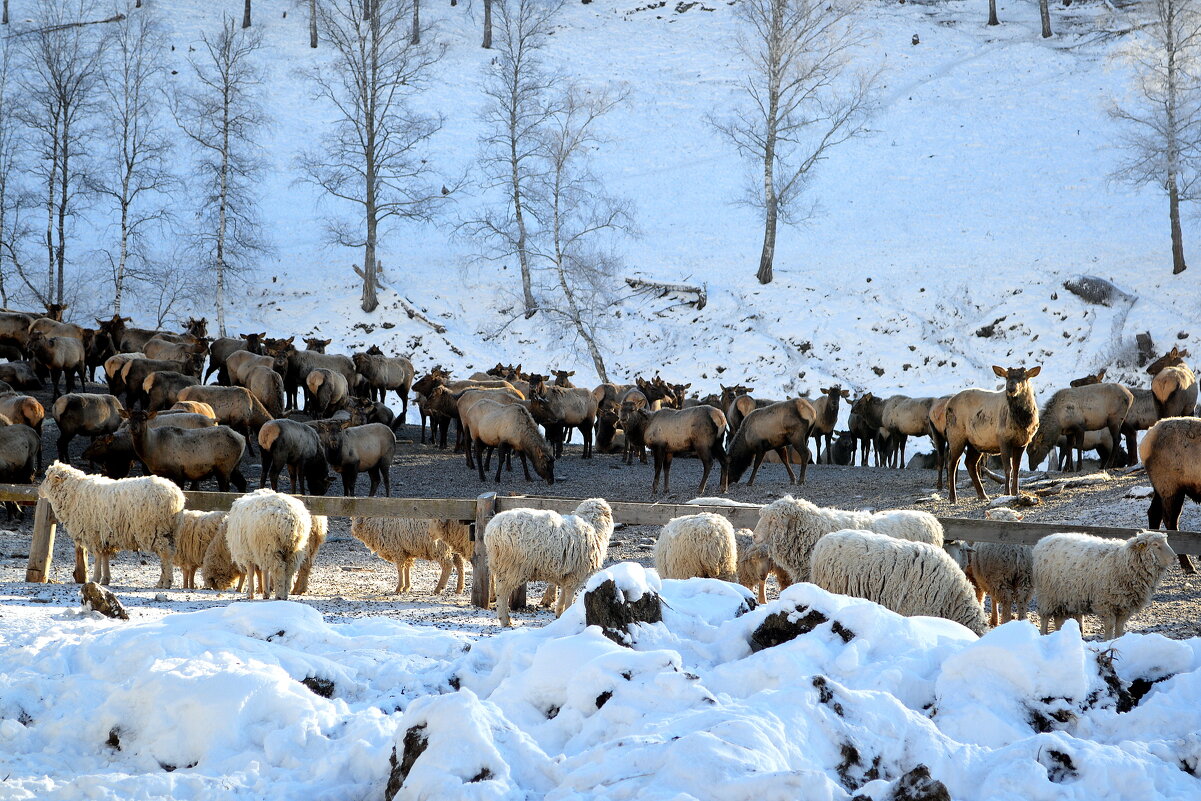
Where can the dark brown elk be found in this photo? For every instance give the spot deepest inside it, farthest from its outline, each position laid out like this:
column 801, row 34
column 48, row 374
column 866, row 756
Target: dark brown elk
column 826, row 409
column 20, row 460
column 351, row 450
column 510, row 429
column 1142, row 416
column 1075, row 411
column 134, row 375
column 666, row 432
column 287, row 443
column 297, row 364
column 464, row 401
column 1088, row 379
column 20, row 375
column 189, row 455
column 113, row 454
column 87, row 414
column 1171, row 452
column 903, row 417
column 316, row 345
column 982, row 422
column 563, row 378
column 162, row 388
column 865, row 422
column 778, row 428
column 59, row 355
column 1174, row 385
column 327, row 388
column 560, row 409
column 608, row 408
column 383, row 373
column 634, row 425
column 114, row 368
column 14, row 328
column 221, row 349
column 938, row 435
column 98, row 347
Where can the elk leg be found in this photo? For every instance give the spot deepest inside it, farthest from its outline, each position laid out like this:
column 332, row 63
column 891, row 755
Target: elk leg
column 707, row 460
column 1171, row 514
column 667, row 457
column 501, row 453
column 479, row 458
column 373, row 475
column 524, row 466
column 755, row 467
column 658, row 454
column 972, row 461
column 787, row 460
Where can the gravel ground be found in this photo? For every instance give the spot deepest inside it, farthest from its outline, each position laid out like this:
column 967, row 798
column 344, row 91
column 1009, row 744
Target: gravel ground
column 349, row 582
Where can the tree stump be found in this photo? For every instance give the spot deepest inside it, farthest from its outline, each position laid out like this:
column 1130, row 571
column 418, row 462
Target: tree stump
column 98, row 599
column 607, row 607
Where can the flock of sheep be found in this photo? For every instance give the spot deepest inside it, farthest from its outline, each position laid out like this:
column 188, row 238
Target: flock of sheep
column 184, row 430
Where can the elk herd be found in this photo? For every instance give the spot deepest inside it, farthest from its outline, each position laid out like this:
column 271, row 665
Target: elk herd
column 311, row 412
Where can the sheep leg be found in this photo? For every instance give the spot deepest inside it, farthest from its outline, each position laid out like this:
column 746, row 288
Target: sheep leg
column 264, row 581
column 992, row 615
column 189, row 577
column 167, row 571
column 566, row 596
column 503, row 591
column 301, row 585
column 755, row 467
column 443, row 577
column 763, row 590
column 1119, row 624
column 400, row 577
column 250, row 582
column 461, row 582
column 107, row 569
column 786, row 460
column 285, row 585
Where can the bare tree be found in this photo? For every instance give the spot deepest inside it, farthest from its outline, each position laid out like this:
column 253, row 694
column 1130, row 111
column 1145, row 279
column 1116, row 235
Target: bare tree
column 133, row 174
column 313, row 23
column 4, row 14
column 487, row 43
column 581, row 222
column 62, row 61
column 1044, row 14
column 518, row 89
column 370, row 158
column 992, row 13
column 15, row 200
column 246, row 14
column 222, row 114
column 1162, row 122
column 803, row 100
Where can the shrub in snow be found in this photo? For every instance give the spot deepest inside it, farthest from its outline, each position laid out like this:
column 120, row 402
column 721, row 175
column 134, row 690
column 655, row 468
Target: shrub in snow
column 910, row 578
column 401, row 540
column 268, row 532
column 792, row 526
column 1078, row 573
column 699, row 546
column 106, row 516
column 539, row 545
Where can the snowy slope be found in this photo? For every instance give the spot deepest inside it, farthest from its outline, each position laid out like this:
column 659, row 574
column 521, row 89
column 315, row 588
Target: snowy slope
column 982, row 187
column 211, row 704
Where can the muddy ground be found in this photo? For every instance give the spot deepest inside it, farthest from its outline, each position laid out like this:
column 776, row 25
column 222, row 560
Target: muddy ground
column 348, row 581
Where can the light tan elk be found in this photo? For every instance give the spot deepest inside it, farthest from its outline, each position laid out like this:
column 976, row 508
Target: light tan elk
column 982, row 422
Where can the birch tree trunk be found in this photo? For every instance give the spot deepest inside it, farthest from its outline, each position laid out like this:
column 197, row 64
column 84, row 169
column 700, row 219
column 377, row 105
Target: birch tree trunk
column 487, row 25
column 312, row 23
column 1044, row 13
column 245, row 24
column 992, row 13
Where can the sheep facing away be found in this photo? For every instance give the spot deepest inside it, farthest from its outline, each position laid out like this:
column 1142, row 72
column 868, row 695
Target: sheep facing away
column 538, row 545
column 699, row 545
column 268, row 531
column 1003, row 571
column 106, row 516
column 1075, row 574
column 401, row 540
column 910, row 578
column 220, row 572
column 790, row 527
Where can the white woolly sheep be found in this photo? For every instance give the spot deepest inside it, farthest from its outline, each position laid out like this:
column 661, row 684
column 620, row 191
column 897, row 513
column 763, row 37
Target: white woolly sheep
column 792, row 526
column 910, row 578
column 536, row 545
column 220, row 573
column 1075, row 574
column 194, row 534
column 755, row 564
column 1002, row 570
column 401, row 540
column 105, row 516
column 697, row 546
column 317, row 535
column 269, row 532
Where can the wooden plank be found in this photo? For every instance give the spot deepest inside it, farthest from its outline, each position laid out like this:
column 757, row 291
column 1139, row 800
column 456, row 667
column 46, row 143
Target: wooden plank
column 636, row 514
column 485, row 509
column 19, row 493
column 41, row 549
column 335, row 506
column 1023, row 533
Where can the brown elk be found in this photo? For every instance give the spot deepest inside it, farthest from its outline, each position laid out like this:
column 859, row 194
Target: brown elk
column 982, row 422
column 826, row 409
column 1075, row 411
column 1174, row 385
column 773, row 428
column 1171, row 452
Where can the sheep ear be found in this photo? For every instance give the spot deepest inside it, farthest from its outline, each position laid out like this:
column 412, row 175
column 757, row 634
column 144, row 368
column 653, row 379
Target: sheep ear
column 1033, row 371
column 1000, row 371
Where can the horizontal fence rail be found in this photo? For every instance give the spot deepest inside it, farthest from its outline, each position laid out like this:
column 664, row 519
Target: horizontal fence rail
column 479, row 511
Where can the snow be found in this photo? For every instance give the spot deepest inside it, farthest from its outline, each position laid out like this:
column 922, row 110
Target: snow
column 212, row 702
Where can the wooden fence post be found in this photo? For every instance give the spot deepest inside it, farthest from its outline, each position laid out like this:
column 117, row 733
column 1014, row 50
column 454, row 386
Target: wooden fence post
column 41, row 549
column 485, row 510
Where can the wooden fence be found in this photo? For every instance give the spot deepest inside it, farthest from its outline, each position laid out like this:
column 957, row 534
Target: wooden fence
column 478, row 511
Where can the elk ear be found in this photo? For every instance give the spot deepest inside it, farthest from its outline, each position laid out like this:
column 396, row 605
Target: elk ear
column 569, row 375
column 124, row 414
column 1101, row 373
column 824, row 390
column 748, row 390
column 686, row 386
column 1033, row 371
column 1000, row 371
column 846, row 393
column 127, row 319
column 152, row 415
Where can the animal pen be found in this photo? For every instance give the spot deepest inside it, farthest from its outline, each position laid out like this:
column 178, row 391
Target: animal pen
column 478, row 511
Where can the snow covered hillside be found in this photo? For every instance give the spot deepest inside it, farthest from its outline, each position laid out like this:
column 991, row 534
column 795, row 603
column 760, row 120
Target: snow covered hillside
column 268, row 701
column 982, row 187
